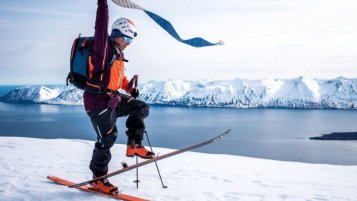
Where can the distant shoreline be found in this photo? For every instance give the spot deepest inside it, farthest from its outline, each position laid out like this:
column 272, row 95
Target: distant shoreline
column 337, row 136
column 24, row 102
column 234, row 94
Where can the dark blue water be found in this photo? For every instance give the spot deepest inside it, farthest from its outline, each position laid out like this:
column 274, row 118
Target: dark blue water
column 279, row 134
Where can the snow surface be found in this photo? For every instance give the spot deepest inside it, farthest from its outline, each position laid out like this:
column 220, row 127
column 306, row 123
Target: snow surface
column 25, row 163
column 301, row 92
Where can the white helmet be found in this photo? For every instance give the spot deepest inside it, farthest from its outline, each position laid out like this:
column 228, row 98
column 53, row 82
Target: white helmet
column 126, row 28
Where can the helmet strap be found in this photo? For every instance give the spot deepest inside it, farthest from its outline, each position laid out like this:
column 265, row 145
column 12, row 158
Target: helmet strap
column 117, row 47
column 119, row 52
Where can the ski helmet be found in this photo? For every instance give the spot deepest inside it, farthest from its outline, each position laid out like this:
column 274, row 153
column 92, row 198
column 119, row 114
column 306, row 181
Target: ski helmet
column 123, row 27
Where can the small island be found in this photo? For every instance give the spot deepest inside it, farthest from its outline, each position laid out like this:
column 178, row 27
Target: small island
column 337, row 136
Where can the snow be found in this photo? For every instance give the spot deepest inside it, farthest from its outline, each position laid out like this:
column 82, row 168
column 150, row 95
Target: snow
column 33, row 93
column 25, row 163
column 301, row 92
column 166, row 91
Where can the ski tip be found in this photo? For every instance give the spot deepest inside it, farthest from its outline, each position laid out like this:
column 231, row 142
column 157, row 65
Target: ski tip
column 221, row 135
column 226, row 132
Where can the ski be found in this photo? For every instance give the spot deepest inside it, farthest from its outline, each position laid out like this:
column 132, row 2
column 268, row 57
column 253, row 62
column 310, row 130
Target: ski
column 179, row 151
column 121, row 196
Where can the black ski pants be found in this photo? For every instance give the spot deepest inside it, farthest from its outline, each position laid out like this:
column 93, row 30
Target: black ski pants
column 104, row 123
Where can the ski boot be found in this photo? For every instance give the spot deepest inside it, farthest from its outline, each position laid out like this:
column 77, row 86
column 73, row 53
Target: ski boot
column 140, row 151
column 104, row 186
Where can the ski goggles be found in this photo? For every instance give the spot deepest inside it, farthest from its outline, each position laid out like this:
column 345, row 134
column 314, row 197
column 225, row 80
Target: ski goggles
column 128, row 40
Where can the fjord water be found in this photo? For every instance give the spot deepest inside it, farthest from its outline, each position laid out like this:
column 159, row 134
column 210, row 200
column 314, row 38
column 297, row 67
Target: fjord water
column 280, row 134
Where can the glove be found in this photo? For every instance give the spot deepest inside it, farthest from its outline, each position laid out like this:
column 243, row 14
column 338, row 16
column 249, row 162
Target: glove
column 113, row 101
column 134, row 92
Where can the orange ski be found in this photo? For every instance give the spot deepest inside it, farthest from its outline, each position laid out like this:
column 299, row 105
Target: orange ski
column 170, row 154
column 88, row 189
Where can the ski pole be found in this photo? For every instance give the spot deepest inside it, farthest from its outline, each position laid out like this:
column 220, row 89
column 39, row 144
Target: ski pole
column 157, row 167
column 137, row 174
column 157, row 158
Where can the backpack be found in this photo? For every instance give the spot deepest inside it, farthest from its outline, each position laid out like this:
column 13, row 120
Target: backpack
column 79, row 66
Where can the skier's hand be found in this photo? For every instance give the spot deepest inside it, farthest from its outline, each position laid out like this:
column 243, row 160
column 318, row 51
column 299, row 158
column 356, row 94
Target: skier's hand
column 134, row 92
column 113, row 101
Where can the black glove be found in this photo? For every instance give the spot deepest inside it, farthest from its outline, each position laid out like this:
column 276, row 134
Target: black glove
column 134, row 92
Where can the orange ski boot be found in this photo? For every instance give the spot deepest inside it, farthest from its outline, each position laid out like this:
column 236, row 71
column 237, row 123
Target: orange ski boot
column 140, row 151
column 105, row 186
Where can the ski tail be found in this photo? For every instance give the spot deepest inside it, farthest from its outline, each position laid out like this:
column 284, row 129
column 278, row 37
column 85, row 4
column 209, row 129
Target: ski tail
column 170, row 154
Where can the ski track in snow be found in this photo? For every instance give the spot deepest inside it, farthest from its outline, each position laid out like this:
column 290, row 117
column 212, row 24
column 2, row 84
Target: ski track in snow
column 25, row 163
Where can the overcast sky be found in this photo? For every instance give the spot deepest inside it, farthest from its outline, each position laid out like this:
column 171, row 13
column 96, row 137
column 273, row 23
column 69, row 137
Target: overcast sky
column 263, row 39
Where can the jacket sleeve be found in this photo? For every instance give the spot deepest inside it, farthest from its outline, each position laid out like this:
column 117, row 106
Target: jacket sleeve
column 100, row 44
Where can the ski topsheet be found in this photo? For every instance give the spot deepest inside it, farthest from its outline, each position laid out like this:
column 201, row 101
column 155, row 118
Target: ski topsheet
column 88, row 189
column 179, row 151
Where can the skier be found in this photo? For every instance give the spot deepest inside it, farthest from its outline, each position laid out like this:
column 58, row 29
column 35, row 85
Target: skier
column 104, row 108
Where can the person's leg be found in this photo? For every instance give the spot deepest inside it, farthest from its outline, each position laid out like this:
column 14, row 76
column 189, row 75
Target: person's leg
column 136, row 129
column 137, row 111
column 104, row 123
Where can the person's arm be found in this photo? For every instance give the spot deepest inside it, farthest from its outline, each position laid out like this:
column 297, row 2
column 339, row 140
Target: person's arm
column 100, row 43
column 125, row 85
column 131, row 86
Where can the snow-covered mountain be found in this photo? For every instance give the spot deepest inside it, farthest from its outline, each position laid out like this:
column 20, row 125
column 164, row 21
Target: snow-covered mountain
column 301, row 92
column 31, row 94
column 70, row 96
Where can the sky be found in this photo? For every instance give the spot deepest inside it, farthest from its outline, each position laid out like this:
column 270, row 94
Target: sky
column 263, row 39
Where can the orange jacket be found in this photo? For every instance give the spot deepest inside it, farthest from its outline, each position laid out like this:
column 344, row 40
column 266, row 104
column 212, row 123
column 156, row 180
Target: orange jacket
column 118, row 79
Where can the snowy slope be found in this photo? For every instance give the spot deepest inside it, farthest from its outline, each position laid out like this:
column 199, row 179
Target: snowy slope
column 301, row 92
column 70, row 96
column 25, row 163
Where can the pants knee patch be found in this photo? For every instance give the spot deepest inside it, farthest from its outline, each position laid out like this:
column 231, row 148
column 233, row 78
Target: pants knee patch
column 135, row 121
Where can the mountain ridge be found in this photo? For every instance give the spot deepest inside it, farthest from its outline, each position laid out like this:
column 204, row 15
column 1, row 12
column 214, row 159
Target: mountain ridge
column 300, row 92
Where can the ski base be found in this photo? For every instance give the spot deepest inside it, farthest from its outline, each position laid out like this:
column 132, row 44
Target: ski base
column 86, row 188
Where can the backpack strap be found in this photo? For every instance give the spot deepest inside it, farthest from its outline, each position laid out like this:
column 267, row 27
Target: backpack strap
column 94, row 87
column 97, row 88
